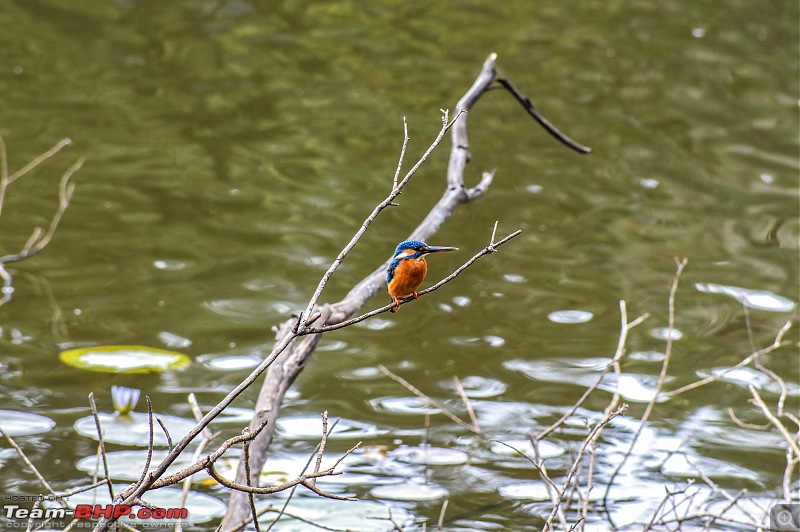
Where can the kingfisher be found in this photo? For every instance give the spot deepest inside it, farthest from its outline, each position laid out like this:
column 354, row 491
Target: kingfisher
column 408, row 268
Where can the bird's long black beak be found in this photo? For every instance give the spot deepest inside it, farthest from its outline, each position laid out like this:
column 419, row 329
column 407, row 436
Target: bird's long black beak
column 438, row 249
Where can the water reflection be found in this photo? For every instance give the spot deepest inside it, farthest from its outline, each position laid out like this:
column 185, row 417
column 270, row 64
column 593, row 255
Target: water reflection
column 755, row 299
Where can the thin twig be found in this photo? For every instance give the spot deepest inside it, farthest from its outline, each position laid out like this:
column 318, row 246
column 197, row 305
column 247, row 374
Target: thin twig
column 101, row 444
column 303, row 480
column 491, row 248
column 322, row 443
column 753, row 356
column 205, row 461
column 3, row 162
column 81, row 489
column 250, row 496
column 538, row 465
column 550, row 128
column 292, row 491
column 467, row 403
column 166, row 432
column 61, row 144
column 667, row 496
column 440, row 522
column 208, row 436
column 402, row 154
column 661, row 379
column 27, row 462
column 37, row 242
column 623, row 335
column 759, row 402
column 149, row 441
column 411, row 388
column 576, row 464
column 781, row 384
column 749, row 426
column 6, row 179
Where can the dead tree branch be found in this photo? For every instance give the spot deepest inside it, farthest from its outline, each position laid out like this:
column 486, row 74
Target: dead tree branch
column 39, row 238
column 297, row 338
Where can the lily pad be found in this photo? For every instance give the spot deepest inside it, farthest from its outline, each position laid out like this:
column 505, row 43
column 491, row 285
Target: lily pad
column 134, row 428
column 409, row 491
column 534, row 491
column 124, row 359
column 310, row 427
column 570, row 316
column 128, row 465
column 434, row 456
column 546, row 449
column 16, row 423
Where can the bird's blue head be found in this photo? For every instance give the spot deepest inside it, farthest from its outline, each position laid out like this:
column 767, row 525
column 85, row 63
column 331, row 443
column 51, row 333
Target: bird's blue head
column 414, row 249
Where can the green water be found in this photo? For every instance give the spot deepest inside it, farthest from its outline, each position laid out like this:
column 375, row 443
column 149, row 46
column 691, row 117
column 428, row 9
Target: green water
column 232, row 148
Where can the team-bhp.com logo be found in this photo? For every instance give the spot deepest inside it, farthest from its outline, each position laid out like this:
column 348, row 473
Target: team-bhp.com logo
column 96, row 511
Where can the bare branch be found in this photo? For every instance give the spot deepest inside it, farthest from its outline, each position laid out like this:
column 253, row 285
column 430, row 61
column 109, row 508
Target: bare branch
column 307, row 480
column 61, row 144
column 101, row 444
column 6, row 180
column 759, row 402
column 250, row 497
column 27, row 462
column 166, row 432
column 717, row 376
column 661, row 378
column 440, row 522
column 491, row 248
column 625, row 327
column 402, row 153
column 550, row 128
column 411, row 388
column 467, row 403
column 203, row 463
column 576, row 464
column 37, row 242
column 538, row 465
column 149, row 441
column 322, row 444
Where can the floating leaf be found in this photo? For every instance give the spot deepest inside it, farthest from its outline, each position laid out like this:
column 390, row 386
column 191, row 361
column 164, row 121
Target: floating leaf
column 570, row 316
column 546, row 449
column 124, row 359
column 533, row 491
column 304, row 427
column 23, row 424
column 230, row 363
column 134, row 428
column 409, row 491
column 424, row 455
column 128, row 465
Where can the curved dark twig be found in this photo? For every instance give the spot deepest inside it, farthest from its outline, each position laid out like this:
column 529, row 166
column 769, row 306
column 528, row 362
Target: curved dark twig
column 550, row 128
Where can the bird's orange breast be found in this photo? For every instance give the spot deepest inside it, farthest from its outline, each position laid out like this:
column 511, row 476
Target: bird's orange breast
column 408, row 276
